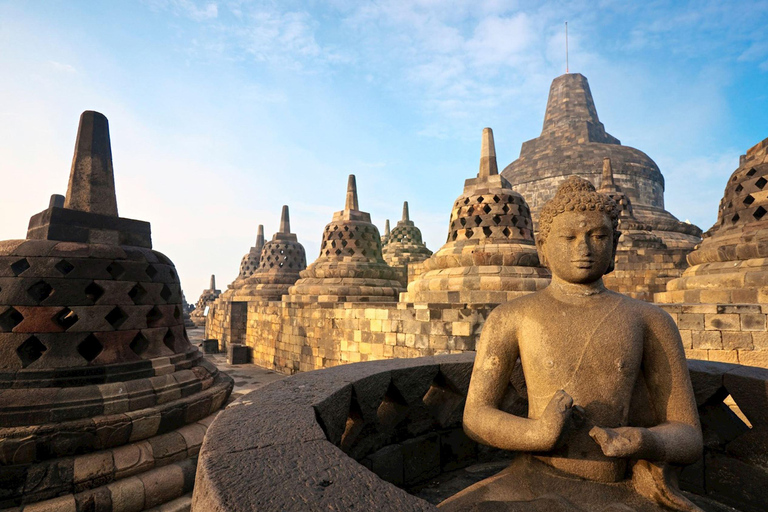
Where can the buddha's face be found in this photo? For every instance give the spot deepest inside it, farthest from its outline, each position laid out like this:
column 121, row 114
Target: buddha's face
column 579, row 247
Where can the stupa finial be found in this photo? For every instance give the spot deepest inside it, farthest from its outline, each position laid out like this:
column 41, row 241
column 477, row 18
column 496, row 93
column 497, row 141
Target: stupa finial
column 406, row 217
column 386, row 228
column 260, row 236
column 91, row 180
column 285, row 220
column 351, row 203
column 213, row 282
column 488, row 166
column 607, row 172
column 57, row 200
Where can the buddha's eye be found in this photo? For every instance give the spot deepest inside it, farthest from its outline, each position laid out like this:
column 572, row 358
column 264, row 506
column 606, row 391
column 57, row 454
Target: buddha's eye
column 599, row 236
column 569, row 237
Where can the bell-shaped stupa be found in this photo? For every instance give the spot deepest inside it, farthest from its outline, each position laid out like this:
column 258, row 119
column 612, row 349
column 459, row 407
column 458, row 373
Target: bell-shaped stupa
column 207, row 298
column 350, row 267
column 490, row 256
column 731, row 263
column 574, row 141
column 104, row 401
column 250, row 262
column 644, row 264
column 404, row 243
column 282, row 259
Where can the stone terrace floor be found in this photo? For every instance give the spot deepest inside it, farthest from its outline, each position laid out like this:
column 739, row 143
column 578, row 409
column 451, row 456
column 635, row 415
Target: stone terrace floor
column 247, row 377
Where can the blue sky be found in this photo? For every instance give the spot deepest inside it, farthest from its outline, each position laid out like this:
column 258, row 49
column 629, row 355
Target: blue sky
column 222, row 111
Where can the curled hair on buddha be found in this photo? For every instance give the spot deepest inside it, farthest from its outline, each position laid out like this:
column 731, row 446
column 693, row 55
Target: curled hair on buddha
column 577, row 195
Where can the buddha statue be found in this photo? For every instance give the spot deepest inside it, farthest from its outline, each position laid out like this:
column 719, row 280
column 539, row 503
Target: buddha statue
column 611, row 409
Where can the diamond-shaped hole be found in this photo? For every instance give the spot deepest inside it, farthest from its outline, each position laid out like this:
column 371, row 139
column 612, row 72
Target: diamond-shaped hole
column 759, row 213
column 30, row 351
column 19, row 266
column 738, row 188
column 137, row 293
column 749, row 200
column 761, row 183
column 151, row 271
column 140, row 344
column 170, row 340
column 487, row 209
column 40, row 291
column 116, row 270
column 90, row 348
column 177, row 312
column 166, row 293
column 487, row 231
column 10, row 319
column 735, row 218
column 752, row 172
column 469, row 233
column 64, row 267
column 116, row 317
column 392, row 410
column 506, row 231
column 93, row 292
column 154, row 316
column 66, row 318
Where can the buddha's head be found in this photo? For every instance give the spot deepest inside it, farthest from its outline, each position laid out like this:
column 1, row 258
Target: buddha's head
column 578, row 232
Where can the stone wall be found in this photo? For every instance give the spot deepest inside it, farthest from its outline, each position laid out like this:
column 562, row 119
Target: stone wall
column 294, row 338
column 725, row 333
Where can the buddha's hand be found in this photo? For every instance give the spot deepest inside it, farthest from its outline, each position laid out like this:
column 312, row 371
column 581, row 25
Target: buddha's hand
column 555, row 419
column 625, row 442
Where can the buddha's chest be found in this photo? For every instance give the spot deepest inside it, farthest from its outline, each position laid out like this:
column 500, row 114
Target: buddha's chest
column 595, row 357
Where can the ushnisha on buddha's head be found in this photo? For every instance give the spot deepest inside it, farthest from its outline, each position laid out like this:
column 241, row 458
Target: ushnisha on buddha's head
column 583, row 224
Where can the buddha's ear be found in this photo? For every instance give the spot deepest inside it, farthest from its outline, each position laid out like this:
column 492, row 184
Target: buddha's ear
column 540, row 250
column 616, row 236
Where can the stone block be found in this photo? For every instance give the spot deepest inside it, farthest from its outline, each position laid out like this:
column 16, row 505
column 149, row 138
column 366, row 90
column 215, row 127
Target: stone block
column 211, row 346
column 421, row 458
column 707, row 340
column 387, row 463
column 737, row 340
column 724, row 322
column 238, row 354
column 753, row 322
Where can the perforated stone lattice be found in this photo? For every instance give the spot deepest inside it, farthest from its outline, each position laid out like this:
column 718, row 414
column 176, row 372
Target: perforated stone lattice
column 360, row 240
column 249, row 265
column 495, row 215
column 288, row 256
column 51, row 301
column 404, row 233
column 746, row 196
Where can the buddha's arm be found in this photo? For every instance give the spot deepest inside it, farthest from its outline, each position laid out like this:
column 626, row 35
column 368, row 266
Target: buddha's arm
column 497, row 352
column 677, row 438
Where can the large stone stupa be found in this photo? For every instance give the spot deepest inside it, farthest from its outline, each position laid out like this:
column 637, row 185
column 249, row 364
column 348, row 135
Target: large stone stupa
column 250, row 262
column 574, row 141
column 350, row 267
column 104, row 401
column 490, row 256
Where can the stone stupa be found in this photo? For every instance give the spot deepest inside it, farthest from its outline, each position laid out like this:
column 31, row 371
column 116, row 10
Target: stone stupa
column 644, row 264
column 350, row 267
column 404, row 244
column 490, row 256
column 104, row 401
column 250, row 262
column 731, row 264
column 281, row 261
column 385, row 236
column 574, row 141
column 207, row 298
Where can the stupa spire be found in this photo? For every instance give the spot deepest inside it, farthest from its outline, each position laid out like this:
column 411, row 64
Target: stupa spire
column 56, row 201
column 351, row 203
column 91, row 179
column 386, row 228
column 488, row 165
column 406, row 216
column 213, row 282
column 260, row 236
column 285, row 220
column 607, row 172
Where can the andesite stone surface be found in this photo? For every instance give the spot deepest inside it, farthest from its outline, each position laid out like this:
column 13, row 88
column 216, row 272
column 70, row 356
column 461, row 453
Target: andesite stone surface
column 404, row 244
column 489, row 256
column 584, row 352
column 573, row 140
column 206, row 298
column 104, row 401
column 350, row 267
